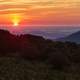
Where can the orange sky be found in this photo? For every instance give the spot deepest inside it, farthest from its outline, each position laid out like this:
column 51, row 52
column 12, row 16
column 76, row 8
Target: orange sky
column 40, row 12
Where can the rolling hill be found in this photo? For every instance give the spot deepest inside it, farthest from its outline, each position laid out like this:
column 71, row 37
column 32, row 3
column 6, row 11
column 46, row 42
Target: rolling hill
column 74, row 37
column 30, row 57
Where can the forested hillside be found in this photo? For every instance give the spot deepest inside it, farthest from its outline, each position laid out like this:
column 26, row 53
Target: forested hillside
column 29, row 57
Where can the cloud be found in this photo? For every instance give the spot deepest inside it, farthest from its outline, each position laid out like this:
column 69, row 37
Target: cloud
column 32, row 4
column 51, row 10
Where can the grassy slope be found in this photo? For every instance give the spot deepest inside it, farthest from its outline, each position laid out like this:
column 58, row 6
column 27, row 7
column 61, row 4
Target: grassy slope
column 20, row 69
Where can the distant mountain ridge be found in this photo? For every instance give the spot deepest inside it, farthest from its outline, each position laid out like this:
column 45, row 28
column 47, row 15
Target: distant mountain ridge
column 74, row 37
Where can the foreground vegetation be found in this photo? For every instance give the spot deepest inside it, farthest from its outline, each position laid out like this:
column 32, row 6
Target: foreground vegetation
column 12, row 68
column 29, row 57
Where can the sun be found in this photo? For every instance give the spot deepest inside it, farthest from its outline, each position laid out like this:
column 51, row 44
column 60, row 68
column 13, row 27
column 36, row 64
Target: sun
column 15, row 20
column 15, row 24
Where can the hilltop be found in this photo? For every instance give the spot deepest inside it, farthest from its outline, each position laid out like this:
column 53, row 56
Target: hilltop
column 74, row 37
column 30, row 57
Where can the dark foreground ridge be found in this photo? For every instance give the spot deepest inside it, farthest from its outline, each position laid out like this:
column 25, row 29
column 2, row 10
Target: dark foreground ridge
column 22, row 45
column 30, row 57
column 36, row 47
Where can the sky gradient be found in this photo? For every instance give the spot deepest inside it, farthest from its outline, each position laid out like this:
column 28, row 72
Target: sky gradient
column 40, row 12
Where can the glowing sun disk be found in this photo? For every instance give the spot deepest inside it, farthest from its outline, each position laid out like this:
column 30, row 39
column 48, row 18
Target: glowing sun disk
column 15, row 24
column 15, row 19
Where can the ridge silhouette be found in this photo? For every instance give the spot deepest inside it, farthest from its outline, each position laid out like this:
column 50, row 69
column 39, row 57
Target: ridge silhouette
column 24, row 44
column 33, row 47
column 74, row 37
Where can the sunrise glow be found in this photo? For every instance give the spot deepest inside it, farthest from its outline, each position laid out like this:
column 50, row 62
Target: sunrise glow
column 15, row 24
column 15, row 20
column 40, row 12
